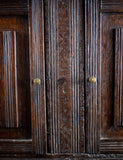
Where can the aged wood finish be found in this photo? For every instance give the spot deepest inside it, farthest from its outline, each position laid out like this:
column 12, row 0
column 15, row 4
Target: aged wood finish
column 111, row 6
column 110, row 134
column 92, row 68
column 37, row 70
column 50, row 53
column 15, row 121
column 104, row 60
column 65, row 95
column 10, row 71
column 14, row 7
column 13, row 90
column 118, row 110
column 9, row 79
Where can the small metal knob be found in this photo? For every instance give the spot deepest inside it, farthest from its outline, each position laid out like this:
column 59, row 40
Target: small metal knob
column 37, row 81
column 92, row 79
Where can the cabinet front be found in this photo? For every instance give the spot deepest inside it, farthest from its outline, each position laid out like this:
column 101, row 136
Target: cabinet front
column 61, row 80
column 104, row 61
column 15, row 110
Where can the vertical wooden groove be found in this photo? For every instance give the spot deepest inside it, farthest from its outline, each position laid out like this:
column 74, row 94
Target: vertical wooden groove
column 37, row 67
column 71, row 99
column 63, row 53
column 50, row 73
column 58, row 104
column 118, row 119
column 11, row 104
column 78, row 78
column 15, row 78
column 74, row 60
column 91, row 47
column 54, row 74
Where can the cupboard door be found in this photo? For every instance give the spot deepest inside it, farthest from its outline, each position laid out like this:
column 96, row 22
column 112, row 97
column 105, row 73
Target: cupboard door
column 37, row 71
column 15, row 110
column 22, row 98
column 22, row 101
column 104, row 61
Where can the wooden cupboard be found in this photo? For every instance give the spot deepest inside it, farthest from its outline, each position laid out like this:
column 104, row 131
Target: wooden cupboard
column 61, row 79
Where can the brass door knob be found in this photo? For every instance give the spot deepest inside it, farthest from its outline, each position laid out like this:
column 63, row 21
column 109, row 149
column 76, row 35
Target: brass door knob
column 37, row 81
column 92, row 79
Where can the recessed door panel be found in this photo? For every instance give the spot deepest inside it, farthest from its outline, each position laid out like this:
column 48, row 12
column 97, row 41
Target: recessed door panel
column 111, row 81
column 104, row 61
column 14, row 78
column 15, row 107
column 22, row 99
column 9, row 106
column 112, row 75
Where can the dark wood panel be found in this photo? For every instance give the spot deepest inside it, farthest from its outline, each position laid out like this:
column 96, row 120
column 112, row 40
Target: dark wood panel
column 103, row 62
column 111, row 6
column 111, row 146
column 64, row 61
column 63, row 156
column 16, row 146
column 37, row 70
column 118, row 110
column 111, row 133
column 14, row 7
column 15, row 78
column 109, row 23
column 92, row 68
column 9, row 85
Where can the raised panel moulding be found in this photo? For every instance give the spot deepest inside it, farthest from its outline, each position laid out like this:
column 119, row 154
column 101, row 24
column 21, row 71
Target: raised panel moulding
column 10, row 104
column 118, row 103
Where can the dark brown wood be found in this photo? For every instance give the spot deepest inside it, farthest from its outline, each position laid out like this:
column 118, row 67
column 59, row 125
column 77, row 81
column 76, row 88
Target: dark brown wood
column 63, row 43
column 104, row 132
column 15, row 91
column 118, row 109
column 64, row 72
column 14, row 7
column 111, row 6
column 92, row 68
column 15, row 121
column 109, row 132
column 16, row 146
column 9, row 85
column 37, row 70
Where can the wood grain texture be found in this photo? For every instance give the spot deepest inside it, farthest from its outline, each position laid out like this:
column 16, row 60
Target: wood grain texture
column 111, row 133
column 63, row 49
column 37, row 69
column 14, row 78
column 63, row 156
column 15, row 132
column 69, row 115
column 15, row 146
column 111, row 6
column 109, row 130
column 92, row 68
column 10, row 79
column 14, row 7
column 118, row 110
column 108, row 146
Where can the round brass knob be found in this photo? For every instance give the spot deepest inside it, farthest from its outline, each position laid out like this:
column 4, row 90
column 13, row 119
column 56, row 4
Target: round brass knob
column 37, row 81
column 92, row 79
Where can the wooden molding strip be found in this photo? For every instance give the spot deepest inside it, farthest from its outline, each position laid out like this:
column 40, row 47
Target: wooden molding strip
column 118, row 108
column 37, row 70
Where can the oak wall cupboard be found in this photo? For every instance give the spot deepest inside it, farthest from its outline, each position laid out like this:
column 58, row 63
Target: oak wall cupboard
column 61, row 80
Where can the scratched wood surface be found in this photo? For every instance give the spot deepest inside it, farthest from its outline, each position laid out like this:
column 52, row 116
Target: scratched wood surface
column 15, row 110
column 14, row 75
column 63, row 43
column 64, row 72
column 104, row 132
